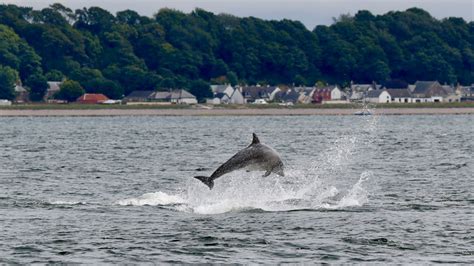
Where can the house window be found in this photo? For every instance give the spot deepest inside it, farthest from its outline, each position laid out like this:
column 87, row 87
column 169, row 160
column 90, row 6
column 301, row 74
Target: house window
column 436, row 100
column 417, row 100
column 406, row 100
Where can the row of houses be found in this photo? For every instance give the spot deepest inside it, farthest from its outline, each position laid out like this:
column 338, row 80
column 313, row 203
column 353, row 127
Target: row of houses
column 22, row 94
column 420, row 92
column 226, row 94
column 173, row 96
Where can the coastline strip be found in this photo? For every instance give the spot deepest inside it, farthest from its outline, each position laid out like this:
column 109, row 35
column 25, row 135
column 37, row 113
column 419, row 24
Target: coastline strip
column 229, row 112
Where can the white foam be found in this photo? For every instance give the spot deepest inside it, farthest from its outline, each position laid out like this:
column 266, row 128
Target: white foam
column 234, row 197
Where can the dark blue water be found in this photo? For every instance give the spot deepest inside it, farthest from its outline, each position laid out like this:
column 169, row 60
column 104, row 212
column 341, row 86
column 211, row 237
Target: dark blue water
column 395, row 189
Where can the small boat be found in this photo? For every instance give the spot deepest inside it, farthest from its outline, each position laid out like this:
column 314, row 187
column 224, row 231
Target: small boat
column 364, row 112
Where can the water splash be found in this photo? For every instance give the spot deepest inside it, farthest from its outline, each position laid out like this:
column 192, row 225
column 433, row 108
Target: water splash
column 325, row 184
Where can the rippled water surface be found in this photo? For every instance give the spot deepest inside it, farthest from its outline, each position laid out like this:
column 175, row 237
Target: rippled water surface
column 120, row 190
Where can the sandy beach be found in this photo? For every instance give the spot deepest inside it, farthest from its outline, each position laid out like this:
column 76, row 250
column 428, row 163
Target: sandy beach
column 229, row 112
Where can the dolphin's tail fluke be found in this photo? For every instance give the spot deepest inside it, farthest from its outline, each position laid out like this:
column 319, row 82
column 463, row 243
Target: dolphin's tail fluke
column 209, row 181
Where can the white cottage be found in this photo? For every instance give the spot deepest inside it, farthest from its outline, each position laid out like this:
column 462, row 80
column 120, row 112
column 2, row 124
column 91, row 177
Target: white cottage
column 400, row 95
column 378, row 96
column 336, row 94
column 226, row 94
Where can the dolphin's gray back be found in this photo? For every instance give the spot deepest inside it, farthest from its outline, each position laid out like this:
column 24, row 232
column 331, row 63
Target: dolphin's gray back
column 258, row 156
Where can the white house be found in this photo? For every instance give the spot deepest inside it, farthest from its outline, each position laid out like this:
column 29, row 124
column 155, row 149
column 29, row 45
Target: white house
column 378, row 96
column 336, row 93
column 226, row 94
column 306, row 94
column 22, row 95
column 236, row 97
column 400, row 95
column 53, row 88
column 179, row 96
column 222, row 89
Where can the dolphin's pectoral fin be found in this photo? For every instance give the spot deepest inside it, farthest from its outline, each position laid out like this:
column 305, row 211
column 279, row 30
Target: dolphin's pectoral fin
column 267, row 173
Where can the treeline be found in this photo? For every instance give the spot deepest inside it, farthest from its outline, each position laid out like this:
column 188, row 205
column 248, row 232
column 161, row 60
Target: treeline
column 116, row 54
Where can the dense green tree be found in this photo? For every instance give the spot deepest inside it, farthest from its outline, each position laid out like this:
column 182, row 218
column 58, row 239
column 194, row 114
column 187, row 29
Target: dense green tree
column 38, row 86
column 70, row 90
column 232, row 78
column 105, row 86
column 201, row 89
column 174, row 49
column 54, row 75
column 8, row 77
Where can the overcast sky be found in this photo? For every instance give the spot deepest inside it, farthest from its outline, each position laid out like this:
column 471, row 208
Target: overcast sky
column 310, row 12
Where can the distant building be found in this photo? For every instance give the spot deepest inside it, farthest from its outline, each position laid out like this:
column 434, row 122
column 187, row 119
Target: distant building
column 399, row 95
column 378, row 96
column 92, row 98
column 252, row 93
column 466, row 93
column 306, row 94
column 4, row 102
column 139, row 96
column 53, row 88
column 336, row 93
column 428, row 91
column 322, row 94
column 177, row 96
column 287, row 96
column 357, row 92
column 226, row 94
column 21, row 94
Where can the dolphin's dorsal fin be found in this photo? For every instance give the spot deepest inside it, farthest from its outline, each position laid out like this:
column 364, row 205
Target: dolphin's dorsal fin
column 255, row 139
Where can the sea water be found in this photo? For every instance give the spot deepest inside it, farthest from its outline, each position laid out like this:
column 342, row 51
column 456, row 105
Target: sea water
column 396, row 189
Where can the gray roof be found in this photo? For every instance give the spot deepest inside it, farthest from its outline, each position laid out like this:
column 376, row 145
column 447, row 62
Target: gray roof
column 19, row 88
column 399, row 93
column 161, row 95
column 220, row 95
column 256, row 92
column 421, row 87
column 374, row 93
column 291, row 96
column 54, row 85
column 449, row 89
column 304, row 90
column 174, row 94
column 139, row 94
column 218, row 88
column 429, row 89
column 181, row 94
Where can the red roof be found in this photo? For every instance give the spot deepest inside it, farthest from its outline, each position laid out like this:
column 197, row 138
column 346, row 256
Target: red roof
column 92, row 98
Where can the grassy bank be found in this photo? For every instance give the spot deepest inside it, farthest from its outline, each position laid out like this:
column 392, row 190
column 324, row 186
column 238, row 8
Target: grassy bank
column 248, row 106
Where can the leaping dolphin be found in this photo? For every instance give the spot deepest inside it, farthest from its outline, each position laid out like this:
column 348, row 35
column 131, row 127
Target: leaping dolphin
column 256, row 157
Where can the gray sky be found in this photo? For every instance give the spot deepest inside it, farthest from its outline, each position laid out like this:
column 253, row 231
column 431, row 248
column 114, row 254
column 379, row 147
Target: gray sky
column 310, row 12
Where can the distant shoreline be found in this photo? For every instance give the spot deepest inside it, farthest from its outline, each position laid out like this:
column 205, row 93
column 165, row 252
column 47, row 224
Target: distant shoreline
column 229, row 112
